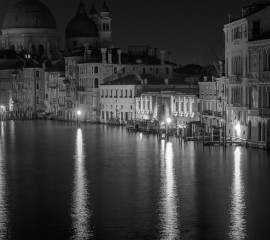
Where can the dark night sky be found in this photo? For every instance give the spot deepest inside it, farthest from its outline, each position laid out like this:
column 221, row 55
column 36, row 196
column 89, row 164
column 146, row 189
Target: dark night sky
column 186, row 28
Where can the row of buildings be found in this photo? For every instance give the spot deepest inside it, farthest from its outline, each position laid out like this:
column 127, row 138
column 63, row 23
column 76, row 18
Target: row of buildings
column 106, row 83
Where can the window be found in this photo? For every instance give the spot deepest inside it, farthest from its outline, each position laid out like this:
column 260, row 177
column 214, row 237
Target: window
column 37, row 74
column 130, row 107
column 139, row 104
column 37, row 85
column 126, row 93
column 176, row 106
column 256, row 30
column 143, row 70
column 46, row 95
column 111, row 94
column 143, row 104
column 102, row 114
column 123, row 70
column 121, row 106
column 115, row 70
column 121, row 94
column 148, row 105
column 37, row 100
column 96, row 69
column 96, row 84
column 163, row 109
column 130, row 94
column 111, row 106
column 156, row 70
column 187, row 107
column 167, row 71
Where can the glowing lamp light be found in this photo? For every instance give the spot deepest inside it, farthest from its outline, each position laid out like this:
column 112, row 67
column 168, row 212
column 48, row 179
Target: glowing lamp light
column 168, row 120
column 237, row 128
column 79, row 113
column 162, row 123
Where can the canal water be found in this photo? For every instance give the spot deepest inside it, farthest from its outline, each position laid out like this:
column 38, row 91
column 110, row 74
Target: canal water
column 103, row 182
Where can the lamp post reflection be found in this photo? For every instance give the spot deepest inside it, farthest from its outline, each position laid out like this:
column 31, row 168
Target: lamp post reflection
column 237, row 208
column 80, row 211
column 169, row 217
column 3, row 188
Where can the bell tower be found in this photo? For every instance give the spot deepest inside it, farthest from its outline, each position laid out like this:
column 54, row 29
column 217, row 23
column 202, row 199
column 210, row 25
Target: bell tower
column 105, row 32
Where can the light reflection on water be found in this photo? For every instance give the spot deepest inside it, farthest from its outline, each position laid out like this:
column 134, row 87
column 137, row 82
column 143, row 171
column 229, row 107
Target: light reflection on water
column 3, row 190
column 169, row 217
column 80, row 211
column 237, row 208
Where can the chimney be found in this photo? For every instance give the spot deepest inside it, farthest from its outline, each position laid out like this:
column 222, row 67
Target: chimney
column 205, row 78
column 119, row 55
column 166, row 81
column 145, row 81
column 155, row 52
column 243, row 12
column 110, row 56
column 170, row 57
column 86, row 45
column 221, row 67
column 103, row 51
column 162, row 56
column 89, row 54
column 230, row 17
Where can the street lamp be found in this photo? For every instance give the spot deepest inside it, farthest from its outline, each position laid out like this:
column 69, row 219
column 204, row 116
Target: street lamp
column 79, row 114
column 168, row 120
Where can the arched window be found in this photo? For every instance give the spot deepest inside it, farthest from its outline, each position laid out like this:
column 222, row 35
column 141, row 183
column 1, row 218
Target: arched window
column 263, row 132
column 249, row 130
column 38, row 86
column 250, row 98
column 264, row 97
column 96, row 69
column 259, row 131
column 37, row 100
column 96, row 84
column 260, row 97
column 41, row 50
column 115, row 70
column 264, row 60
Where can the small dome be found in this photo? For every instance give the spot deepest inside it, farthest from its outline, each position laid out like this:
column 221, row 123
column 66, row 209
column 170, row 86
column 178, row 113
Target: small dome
column 93, row 10
column 29, row 14
column 81, row 25
column 104, row 8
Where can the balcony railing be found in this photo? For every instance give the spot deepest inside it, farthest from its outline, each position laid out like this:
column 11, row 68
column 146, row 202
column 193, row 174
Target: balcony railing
column 235, row 78
column 264, row 112
column 80, row 89
column 207, row 112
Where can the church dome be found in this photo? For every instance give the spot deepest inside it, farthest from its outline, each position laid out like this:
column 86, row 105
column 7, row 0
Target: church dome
column 81, row 25
column 29, row 14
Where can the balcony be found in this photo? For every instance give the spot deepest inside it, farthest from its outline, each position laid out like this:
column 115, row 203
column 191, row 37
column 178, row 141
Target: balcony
column 253, row 112
column 219, row 114
column 236, row 42
column 207, row 112
column 264, row 112
column 235, row 78
column 53, row 86
column 80, row 89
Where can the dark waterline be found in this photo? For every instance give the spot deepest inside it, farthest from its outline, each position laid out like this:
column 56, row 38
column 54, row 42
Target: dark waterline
column 103, row 182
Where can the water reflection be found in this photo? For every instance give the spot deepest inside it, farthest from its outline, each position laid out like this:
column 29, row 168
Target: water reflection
column 3, row 187
column 237, row 209
column 169, row 217
column 80, row 207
